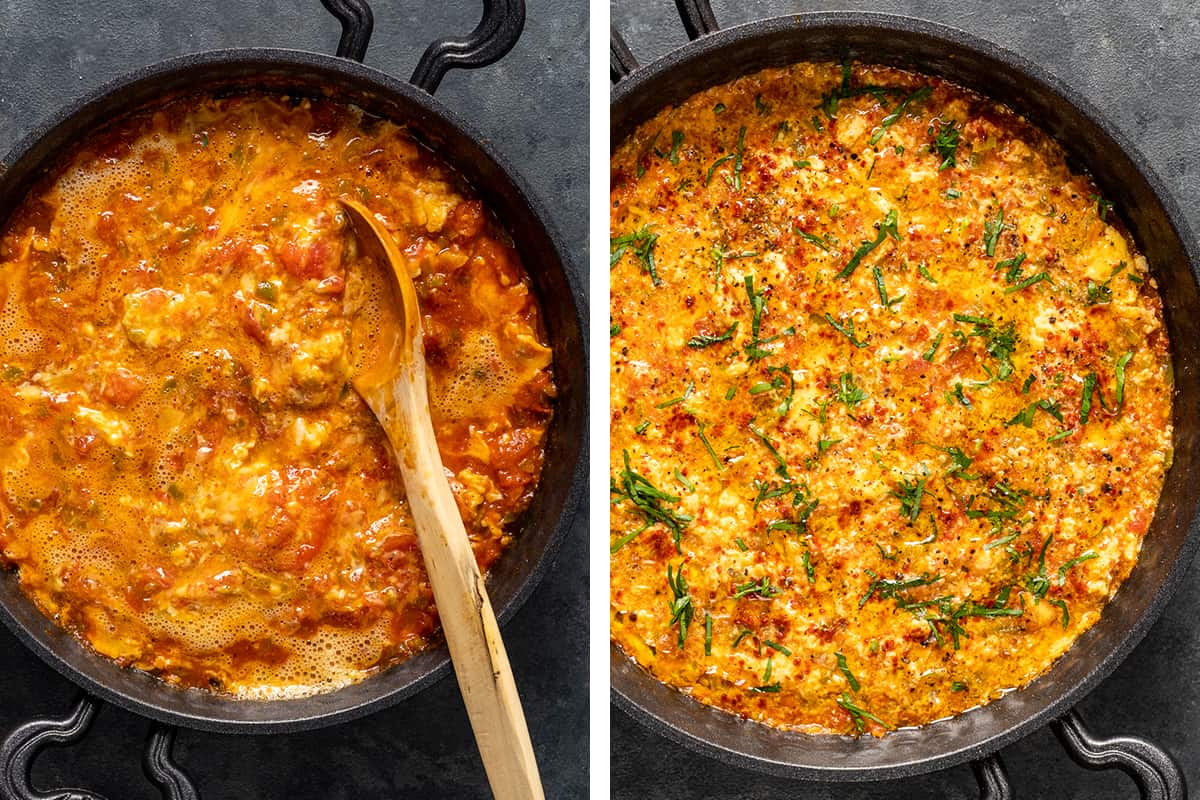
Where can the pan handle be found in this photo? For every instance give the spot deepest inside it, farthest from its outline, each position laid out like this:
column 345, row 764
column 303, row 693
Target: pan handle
column 1155, row 772
column 492, row 38
column 21, row 748
column 1153, row 769
column 621, row 61
column 357, row 25
column 698, row 18
column 992, row 778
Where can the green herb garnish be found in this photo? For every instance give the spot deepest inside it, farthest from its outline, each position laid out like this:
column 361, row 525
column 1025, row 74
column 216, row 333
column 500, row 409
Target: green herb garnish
column 847, row 393
column 641, row 244
column 649, row 502
column 844, row 667
column 1062, row 604
column 883, row 295
column 859, row 715
column 894, row 117
column 265, row 290
column 1101, row 293
column 888, row 588
column 992, row 229
column 960, row 461
column 676, row 142
column 887, row 228
column 681, row 603
column 808, row 237
column 761, row 588
column 1072, row 563
column 846, row 329
column 909, row 493
column 781, row 465
column 704, row 340
column 929, row 354
column 945, row 143
column 707, row 444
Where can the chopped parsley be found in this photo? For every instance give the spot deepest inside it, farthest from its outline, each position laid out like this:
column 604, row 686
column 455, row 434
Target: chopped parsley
column 707, row 444
column 736, row 157
column 704, row 340
column 960, row 461
column 992, row 229
column 999, row 341
column 1026, row 415
column 891, row 119
column 1091, row 386
column 929, row 354
column 858, row 715
column 1006, row 503
column 758, row 305
column 809, row 237
column 760, row 588
column 845, row 668
column 641, row 244
column 910, row 492
column 780, row 465
column 674, row 401
column 887, row 228
column 945, row 617
column 782, row 376
column 945, row 143
column 777, row 647
column 883, row 295
column 681, row 607
column 1072, row 563
column 1101, row 293
column 847, row 392
column 676, row 142
column 889, row 588
column 845, row 329
column 1037, row 583
column 649, row 502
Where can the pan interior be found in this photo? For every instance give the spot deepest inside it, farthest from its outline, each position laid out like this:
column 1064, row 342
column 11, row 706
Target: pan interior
column 1158, row 229
column 540, row 528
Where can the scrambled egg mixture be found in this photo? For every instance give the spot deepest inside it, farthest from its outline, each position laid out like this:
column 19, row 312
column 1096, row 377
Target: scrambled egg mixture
column 187, row 480
column 890, row 399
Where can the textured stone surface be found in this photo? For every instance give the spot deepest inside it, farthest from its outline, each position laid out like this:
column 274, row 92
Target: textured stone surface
column 1138, row 61
column 533, row 106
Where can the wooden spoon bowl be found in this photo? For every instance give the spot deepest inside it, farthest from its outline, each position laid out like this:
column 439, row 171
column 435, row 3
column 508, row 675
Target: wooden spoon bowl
column 389, row 373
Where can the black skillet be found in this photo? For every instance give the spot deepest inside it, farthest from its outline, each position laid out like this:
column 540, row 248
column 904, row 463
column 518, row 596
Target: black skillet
column 714, row 57
column 516, row 573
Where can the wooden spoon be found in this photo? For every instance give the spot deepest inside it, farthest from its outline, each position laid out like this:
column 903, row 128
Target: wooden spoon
column 389, row 374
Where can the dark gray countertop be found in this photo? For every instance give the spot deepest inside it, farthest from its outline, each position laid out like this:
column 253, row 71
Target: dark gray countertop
column 533, row 105
column 1139, row 61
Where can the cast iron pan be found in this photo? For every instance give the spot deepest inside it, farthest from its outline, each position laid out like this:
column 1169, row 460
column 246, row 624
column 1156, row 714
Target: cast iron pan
column 1093, row 145
column 514, row 576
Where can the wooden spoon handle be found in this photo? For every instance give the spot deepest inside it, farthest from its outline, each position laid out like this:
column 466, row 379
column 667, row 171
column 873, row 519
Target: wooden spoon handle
column 480, row 661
